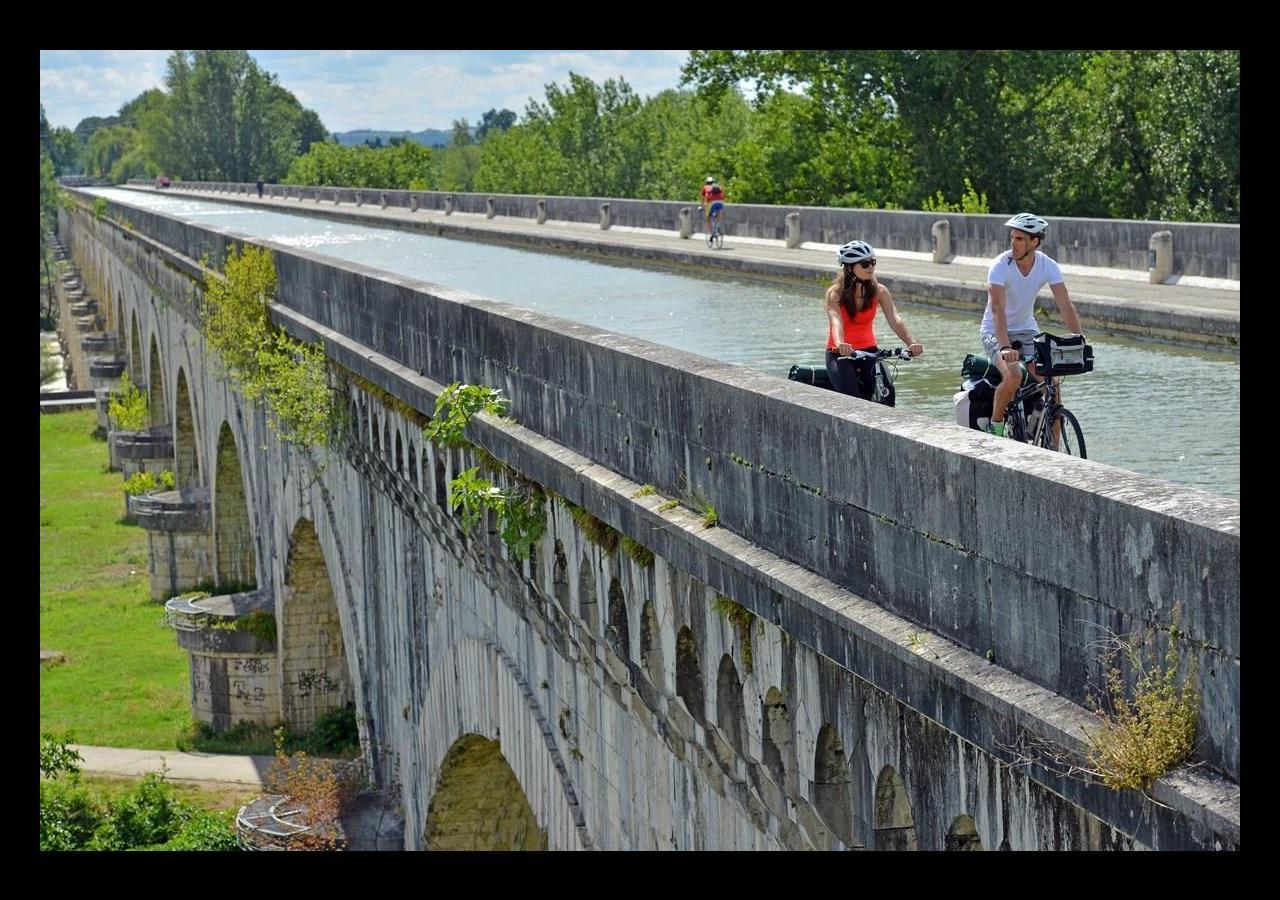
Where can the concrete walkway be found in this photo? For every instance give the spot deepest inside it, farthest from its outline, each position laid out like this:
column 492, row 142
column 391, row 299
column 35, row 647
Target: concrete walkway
column 176, row 765
column 1193, row 311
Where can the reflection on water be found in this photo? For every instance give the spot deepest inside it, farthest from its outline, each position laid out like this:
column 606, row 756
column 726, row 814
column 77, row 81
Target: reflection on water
column 1163, row 411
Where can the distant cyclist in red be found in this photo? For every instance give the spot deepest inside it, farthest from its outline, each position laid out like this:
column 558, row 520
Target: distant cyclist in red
column 712, row 200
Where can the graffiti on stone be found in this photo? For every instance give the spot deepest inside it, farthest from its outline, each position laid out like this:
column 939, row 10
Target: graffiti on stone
column 256, row 696
column 315, row 681
column 253, row 665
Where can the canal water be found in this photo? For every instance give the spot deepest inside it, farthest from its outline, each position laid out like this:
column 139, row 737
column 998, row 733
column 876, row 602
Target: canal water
column 1164, row 411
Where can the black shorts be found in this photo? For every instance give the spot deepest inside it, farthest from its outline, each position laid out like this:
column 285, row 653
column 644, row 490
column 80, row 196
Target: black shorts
column 857, row 377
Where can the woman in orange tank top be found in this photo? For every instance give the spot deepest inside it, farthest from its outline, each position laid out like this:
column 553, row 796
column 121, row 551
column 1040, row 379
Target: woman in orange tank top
column 852, row 300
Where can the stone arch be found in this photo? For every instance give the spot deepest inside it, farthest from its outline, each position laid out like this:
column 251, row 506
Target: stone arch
column 618, row 634
column 415, row 474
column 119, row 324
column 136, row 371
column 651, row 644
column 353, row 417
column 689, row 674
column 832, row 796
column 185, row 444
column 895, row 827
column 386, row 440
column 560, row 577
column 236, row 558
column 478, row 803
column 157, row 407
column 442, row 491
column 374, row 435
column 399, row 454
column 963, row 834
column 777, row 741
column 312, row 658
column 731, row 712
column 588, row 607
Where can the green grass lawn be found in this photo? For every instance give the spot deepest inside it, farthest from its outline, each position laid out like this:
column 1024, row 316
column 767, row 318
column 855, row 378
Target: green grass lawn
column 125, row 681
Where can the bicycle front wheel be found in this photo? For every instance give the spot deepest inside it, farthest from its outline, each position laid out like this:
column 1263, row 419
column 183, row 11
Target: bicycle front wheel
column 1069, row 438
column 718, row 239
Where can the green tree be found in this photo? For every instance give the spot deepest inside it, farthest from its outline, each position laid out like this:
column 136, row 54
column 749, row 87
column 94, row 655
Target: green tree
column 494, row 121
column 230, row 120
column 1148, row 134
column 951, row 113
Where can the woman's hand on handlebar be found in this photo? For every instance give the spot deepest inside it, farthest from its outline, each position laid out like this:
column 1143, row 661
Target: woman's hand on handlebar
column 917, row 349
column 845, row 349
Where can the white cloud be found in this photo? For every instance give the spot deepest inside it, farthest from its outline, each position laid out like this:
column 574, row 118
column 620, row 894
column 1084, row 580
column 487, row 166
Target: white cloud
column 382, row 89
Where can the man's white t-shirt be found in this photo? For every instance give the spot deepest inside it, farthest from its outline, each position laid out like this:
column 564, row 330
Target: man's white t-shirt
column 1019, row 291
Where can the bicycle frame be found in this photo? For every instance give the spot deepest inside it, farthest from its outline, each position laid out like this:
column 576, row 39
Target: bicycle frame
column 1014, row 412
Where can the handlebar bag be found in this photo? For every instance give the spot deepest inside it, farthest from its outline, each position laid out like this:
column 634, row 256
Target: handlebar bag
column 1068, row 355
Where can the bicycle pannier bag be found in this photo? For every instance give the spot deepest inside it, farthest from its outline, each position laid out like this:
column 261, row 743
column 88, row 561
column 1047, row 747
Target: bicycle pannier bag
column 980, row 399
column 815, row 375
column 1063, row 355
column 977, row 367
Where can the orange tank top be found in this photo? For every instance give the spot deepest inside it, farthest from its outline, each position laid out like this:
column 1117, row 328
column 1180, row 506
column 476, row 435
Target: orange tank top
column 857, row 329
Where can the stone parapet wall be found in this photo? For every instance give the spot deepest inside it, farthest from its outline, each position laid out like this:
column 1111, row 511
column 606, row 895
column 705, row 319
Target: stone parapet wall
column 1204, row 249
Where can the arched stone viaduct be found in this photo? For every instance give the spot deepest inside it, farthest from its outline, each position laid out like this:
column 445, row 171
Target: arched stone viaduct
column 586, row 698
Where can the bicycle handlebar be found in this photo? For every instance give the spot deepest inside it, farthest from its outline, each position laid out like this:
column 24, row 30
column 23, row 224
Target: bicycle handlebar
column 899, row 352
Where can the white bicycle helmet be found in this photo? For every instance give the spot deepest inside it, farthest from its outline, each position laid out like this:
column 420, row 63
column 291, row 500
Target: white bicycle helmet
column 710, row 180
column 853, row 252
column 1028, row 222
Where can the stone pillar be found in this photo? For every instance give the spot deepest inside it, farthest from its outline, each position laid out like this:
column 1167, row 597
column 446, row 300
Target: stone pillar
column 234, row 672
column 359, row 198
column 604, row 217
column 793, row 230
column 144, row 450
column 490, row 208
column 179, row 543
column 686, row 222
column 413, row 203
column 382, row 198
column 448, row 204
column 1160, row 257
column 542, row 211
column 941, row 241
column 105, row 371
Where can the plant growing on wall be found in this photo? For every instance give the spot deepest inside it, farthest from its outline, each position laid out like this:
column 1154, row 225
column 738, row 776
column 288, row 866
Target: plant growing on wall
column 1150, row 729
column 146, row 482
column 291, row 377
column 127, row 408
column 317, row 792
column 454, row 408
column 519, row 511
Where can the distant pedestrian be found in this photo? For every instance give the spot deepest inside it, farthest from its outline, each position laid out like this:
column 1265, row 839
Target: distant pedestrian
column 259, row 187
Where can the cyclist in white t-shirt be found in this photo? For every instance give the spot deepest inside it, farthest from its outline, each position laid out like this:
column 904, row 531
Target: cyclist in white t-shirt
column 1014, row 279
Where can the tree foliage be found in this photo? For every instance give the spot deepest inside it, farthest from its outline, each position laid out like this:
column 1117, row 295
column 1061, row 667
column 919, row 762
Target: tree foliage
column 229, row 120
column 1103, row 133
column 405, row 165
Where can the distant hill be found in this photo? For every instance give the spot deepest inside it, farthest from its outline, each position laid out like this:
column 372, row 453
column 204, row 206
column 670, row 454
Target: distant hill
column 431, row 137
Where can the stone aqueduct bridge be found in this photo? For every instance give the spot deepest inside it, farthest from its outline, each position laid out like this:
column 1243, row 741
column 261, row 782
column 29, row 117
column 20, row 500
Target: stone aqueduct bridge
column 927, row 601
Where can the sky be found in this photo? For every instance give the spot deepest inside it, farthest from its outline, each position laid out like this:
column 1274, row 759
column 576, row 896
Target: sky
column 386, row 90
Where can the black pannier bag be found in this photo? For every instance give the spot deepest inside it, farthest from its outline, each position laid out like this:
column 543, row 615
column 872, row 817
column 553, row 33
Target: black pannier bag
column 1062, row 355
column 977, row 367
column 816, row 375
column 977, row 395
